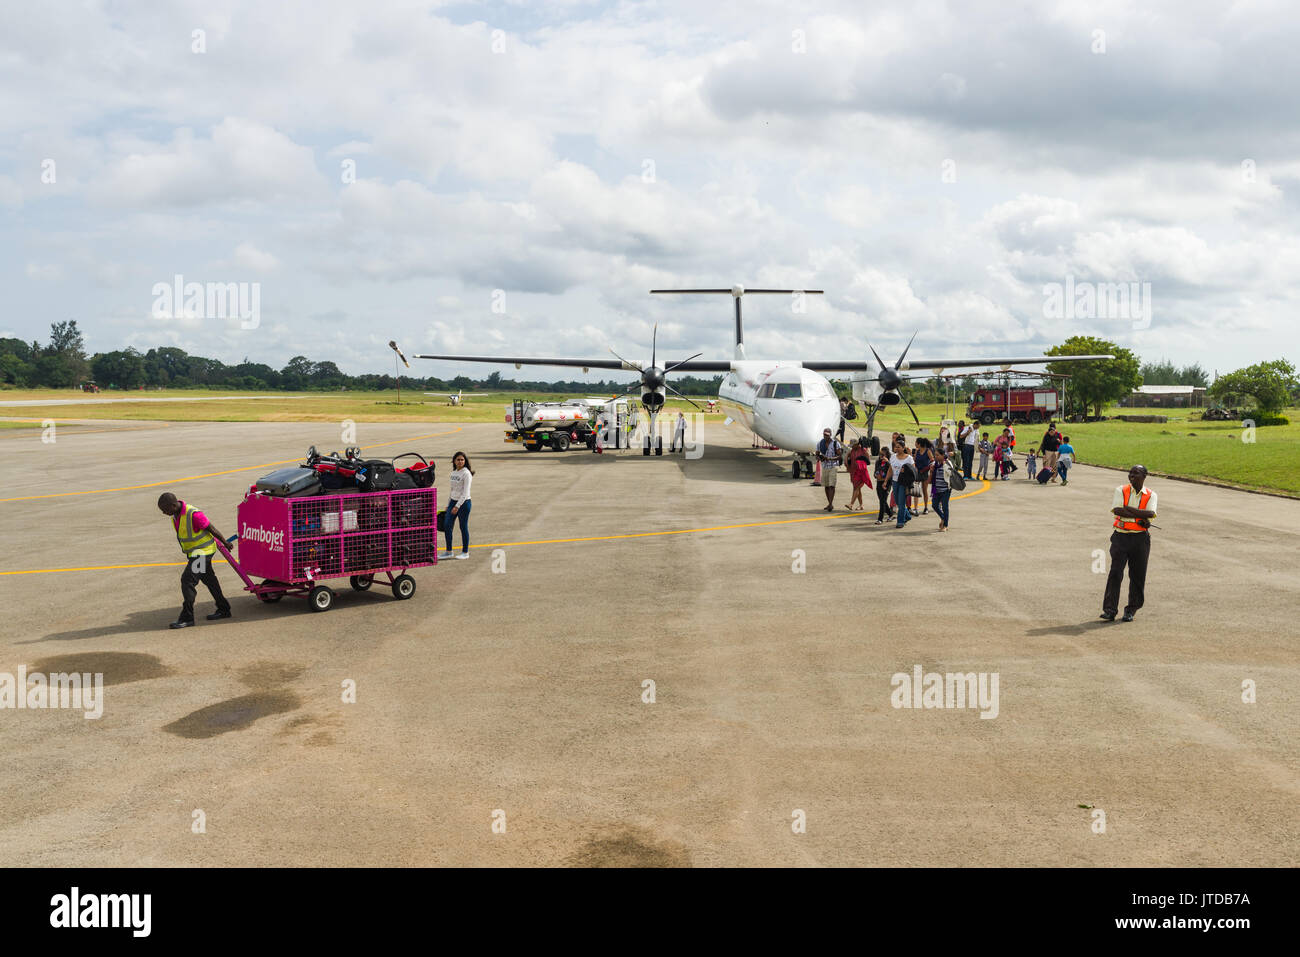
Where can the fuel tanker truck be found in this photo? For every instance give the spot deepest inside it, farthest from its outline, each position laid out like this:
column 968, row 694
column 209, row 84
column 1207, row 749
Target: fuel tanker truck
column 556, row 425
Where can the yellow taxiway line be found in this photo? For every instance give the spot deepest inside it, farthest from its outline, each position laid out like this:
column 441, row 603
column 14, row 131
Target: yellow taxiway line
column 986, row 485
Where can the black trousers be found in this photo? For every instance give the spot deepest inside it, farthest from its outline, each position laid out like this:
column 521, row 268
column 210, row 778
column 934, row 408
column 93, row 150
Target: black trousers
column 1131, row 549
column 189, row 587
column 967, row 459
column 882, row 493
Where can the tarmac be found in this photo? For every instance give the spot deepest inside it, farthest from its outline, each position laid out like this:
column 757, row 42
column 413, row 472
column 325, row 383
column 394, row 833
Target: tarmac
column 503, row 715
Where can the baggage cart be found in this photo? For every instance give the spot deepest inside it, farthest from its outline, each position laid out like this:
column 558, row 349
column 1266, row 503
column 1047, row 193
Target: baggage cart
column 295, row 544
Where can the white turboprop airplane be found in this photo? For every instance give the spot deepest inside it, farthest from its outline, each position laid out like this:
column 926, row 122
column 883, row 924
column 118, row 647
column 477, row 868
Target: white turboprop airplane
column 456, row 398
column 788, row 403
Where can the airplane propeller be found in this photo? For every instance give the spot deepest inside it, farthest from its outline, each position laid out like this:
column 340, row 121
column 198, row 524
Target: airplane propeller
column 654, row 380
column 889, row 377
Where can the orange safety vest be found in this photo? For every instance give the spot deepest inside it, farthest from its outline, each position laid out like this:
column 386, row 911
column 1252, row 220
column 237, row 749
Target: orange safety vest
column 1125, row 524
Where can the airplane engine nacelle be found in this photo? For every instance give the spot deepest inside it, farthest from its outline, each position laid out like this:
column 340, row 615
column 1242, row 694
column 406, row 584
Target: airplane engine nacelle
column 652, row 400
column 867, row 391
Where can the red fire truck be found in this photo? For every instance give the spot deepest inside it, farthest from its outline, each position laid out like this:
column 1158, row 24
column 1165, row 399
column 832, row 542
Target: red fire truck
column 994, row 404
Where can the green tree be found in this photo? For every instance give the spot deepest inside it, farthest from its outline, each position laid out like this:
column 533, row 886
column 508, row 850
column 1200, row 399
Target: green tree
column 1163, row 372
column 123, row 369
column 1270, row 384
column 1094, row 384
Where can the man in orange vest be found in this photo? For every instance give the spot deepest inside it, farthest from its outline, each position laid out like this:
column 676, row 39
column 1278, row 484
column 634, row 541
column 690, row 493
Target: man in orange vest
column 195, row 534
column 1130, row 543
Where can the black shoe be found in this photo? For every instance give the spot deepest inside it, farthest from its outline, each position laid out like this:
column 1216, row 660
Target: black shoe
column 1128, row 616
column 1108, row 615
column 181, row 623
column 218, row 615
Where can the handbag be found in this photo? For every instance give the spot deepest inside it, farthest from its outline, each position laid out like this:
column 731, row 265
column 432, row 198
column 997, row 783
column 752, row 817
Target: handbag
column 956, row 481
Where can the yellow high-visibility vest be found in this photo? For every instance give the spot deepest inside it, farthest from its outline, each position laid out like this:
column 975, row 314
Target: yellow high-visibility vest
column 193, row 542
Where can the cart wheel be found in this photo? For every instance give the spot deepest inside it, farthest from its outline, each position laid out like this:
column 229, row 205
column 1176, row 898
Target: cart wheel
column 403, row 587
column 320, row 598
column 362, row 582
column 272, row 598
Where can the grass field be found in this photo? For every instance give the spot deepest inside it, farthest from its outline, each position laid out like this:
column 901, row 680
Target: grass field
column 1184, row 446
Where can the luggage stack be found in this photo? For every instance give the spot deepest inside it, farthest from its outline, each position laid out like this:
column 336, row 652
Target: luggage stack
column 346, row 474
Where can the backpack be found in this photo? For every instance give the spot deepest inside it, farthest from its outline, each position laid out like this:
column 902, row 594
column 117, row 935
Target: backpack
column 851, row 412
column 956, row 481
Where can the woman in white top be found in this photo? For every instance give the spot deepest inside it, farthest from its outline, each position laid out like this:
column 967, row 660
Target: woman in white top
column 897, row 461
column 458, row 505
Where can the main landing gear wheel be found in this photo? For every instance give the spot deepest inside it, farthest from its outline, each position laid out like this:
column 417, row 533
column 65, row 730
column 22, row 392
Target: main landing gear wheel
column 362, row 582
column 320, row 598
column 795, row 470
column 659, row 445
column 645, row 449
column 403, row 587
column 875, row 445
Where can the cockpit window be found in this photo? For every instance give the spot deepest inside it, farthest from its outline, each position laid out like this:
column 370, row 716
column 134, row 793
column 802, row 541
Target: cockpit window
column 765, row 392
column 788, row 390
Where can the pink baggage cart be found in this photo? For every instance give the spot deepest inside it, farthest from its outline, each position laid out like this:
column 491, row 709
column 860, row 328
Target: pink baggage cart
column 295, row 544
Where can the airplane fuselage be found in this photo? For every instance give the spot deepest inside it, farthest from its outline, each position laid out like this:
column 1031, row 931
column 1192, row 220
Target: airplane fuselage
column 781, row 402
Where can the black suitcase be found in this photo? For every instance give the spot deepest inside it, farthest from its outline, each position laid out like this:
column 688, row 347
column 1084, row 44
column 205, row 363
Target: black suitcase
column 290, row 482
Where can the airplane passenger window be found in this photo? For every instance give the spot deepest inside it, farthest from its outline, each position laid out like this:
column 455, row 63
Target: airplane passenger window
column 788, row 390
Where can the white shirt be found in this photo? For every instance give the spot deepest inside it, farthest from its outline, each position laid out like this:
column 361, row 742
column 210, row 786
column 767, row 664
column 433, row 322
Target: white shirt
column 896, row 463
column 971, row 435
column 1134, row 497
column 460, row 483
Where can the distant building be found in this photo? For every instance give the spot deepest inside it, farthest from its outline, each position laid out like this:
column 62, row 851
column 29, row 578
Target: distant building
column 1165, row 397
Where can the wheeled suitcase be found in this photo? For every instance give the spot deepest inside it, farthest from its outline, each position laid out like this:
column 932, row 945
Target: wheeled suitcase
column 290, row 482
column 1043, row 476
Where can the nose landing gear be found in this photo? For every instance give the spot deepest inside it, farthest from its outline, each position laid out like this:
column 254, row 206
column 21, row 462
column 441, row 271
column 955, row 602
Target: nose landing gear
column 802, row 467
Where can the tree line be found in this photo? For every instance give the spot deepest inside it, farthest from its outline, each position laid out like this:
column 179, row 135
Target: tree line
column 62, row 363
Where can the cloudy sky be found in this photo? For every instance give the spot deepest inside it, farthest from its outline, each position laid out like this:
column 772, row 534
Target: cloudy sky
column 509, row 177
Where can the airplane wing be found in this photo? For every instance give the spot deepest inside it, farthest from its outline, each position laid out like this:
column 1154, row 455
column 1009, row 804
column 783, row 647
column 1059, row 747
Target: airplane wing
column 690, row 365
column 860, row 365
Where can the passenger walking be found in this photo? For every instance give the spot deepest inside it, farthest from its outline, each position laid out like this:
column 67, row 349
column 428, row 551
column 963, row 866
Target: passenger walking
column 1130, row 544
column 829, row 451
column 883, row 487
column 986, row 449
column 859, row 463
column 1064, row 460
column 458, row 504
column 924, row 460
column 941, row 491
column 903, row 467
column 844, row 414
column 1051, row 446
column 968, row 436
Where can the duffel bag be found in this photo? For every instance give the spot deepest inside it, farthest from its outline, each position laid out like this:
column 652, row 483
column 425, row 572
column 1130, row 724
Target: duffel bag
column 421, row 472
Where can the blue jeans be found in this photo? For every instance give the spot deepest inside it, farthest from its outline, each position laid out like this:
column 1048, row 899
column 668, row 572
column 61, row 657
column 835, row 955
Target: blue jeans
column 900, row 499
column 940, row 502
column 461, row 516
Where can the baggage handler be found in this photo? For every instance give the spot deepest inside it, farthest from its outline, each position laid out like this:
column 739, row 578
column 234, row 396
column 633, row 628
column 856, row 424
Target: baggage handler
column 195, row 533
column 1130, row 544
